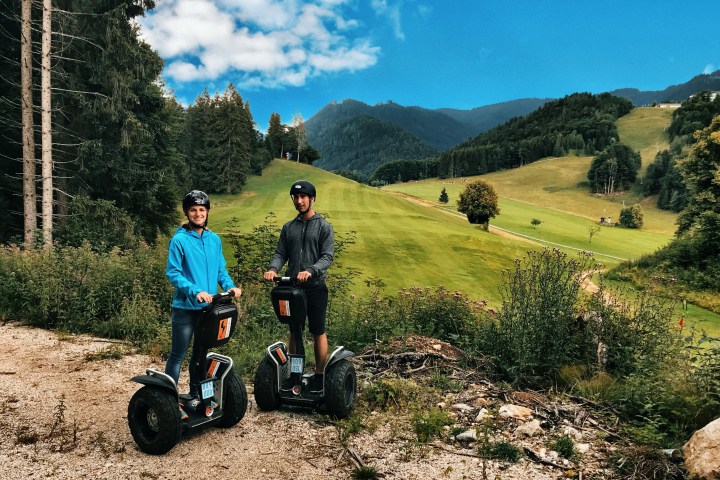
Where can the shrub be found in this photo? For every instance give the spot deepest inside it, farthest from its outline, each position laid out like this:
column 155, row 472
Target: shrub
column 391, row 393
column 536, row 332
column 632, row 217
column 564, row 445
column 80, row 290
column 429, row 424
column 97, row 222
column 501, row 450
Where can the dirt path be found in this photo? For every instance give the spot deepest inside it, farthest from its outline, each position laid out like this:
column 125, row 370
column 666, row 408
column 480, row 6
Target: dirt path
column 42, row 372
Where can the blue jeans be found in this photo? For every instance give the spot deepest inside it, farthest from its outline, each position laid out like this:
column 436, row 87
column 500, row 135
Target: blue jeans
column 183, row 327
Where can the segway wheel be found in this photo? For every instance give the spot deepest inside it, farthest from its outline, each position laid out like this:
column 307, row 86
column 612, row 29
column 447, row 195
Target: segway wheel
column 154, row 420
column 234, row 401
column 266, row 394
column 340, row 387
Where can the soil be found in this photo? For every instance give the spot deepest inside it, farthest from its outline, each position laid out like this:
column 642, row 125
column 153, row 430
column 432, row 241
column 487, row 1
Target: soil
column 64, row 416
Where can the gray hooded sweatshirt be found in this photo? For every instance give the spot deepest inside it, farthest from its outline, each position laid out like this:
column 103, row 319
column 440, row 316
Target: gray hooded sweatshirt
column 305, row 245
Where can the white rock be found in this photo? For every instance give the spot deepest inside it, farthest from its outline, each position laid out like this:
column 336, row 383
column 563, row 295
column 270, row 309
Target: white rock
column 582, row 448
column 482, row 415
column 572, row 432
column 463, row 407
column 515, row 411
column 467, row 436
column 529, row 429
column 702, row 452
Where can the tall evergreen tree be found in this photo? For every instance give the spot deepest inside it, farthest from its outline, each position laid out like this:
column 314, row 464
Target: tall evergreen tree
column 274, row 139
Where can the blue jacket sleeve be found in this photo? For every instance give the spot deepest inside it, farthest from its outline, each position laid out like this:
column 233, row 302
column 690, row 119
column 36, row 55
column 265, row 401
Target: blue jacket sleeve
column 174, row 270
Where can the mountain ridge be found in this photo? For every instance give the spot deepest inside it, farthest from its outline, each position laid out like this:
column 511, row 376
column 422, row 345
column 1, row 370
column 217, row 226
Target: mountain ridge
column 443, row 128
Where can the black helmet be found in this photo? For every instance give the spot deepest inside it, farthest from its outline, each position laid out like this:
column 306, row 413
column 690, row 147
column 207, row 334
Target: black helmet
column 196, row 197
column 303, row 186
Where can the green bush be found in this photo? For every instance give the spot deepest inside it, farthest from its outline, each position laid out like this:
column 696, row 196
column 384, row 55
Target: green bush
column 502, row 450
column 536, row 332
column 430, row 423
column 80, row 290
column 96, row 222
column 632, row 217
column 564, row 445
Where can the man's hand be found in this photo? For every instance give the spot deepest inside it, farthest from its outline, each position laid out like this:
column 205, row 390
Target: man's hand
column 270, row 275
column 236, row 291
column 304, row 276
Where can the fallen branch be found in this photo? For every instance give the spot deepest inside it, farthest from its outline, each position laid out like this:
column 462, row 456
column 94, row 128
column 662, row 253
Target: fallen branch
column 538, row 459
column 439, row 447
column 355, row 457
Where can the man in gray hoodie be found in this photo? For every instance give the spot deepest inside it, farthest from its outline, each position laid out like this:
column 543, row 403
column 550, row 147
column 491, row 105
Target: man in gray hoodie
column 307, row 244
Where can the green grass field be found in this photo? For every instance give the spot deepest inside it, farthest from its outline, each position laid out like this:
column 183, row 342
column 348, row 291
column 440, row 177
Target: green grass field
column 406, row 238
column 560, row 183
column 401, row 242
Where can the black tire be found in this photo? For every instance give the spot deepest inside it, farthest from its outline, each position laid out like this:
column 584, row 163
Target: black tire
column 154, row 419
column 234, row 400
column 340, row 385
column 265, row 391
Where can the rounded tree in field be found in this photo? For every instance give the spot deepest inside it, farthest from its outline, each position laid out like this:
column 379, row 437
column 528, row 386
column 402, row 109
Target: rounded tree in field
column 479, row 202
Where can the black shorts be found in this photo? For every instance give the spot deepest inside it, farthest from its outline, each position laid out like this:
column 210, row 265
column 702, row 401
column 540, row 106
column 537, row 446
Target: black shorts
column 317, row 302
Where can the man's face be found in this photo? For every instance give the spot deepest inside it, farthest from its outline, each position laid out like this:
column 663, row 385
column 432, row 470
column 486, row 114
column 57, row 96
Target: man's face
column 302, row 202
column 197, row 214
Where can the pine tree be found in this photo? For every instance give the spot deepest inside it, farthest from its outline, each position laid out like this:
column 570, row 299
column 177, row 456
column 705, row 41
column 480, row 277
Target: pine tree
column 274, row 139
column 443, row 196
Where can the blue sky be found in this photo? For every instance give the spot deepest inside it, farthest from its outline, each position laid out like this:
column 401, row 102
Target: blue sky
column 295, row 56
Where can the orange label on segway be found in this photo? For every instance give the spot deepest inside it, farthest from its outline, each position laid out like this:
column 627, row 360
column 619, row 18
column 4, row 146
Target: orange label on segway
column 224, row 328
column 284, row 308
column 281, row 355
column 213, row 368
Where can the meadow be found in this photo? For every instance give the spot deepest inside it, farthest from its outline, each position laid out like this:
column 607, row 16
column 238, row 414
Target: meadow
column 402, row 243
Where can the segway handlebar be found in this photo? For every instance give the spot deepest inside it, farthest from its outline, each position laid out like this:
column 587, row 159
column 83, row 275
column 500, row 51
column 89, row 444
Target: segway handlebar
column 285, row 280
column 218, row 297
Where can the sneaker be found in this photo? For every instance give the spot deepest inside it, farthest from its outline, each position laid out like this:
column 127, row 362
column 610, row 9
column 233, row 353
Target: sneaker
column 183, row 415
column 316, row 383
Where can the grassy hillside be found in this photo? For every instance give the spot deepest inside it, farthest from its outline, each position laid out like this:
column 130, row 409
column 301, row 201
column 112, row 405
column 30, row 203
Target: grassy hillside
column 401, row 242
column 643, row 130
column 561, row 183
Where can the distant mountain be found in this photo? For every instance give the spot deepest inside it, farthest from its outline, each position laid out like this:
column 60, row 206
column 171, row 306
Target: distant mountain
column 430, row 126
column 404, row 132
column 482, row 119
column 363, row 143
column 438, row 129
column 673, row 93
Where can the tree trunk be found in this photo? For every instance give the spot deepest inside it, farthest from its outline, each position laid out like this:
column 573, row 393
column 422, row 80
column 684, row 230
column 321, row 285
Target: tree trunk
column 45, row 100
column 28, row 141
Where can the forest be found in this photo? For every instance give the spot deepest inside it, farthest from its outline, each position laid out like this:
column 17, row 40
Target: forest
column 118, row 150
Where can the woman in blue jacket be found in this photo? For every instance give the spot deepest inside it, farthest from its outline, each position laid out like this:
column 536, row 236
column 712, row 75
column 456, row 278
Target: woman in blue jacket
column 195, row 267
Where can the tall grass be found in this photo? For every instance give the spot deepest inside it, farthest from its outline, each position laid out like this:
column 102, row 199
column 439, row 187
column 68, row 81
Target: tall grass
column 121, row 294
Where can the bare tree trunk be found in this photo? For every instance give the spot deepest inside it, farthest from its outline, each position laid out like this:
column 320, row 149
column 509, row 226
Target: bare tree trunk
column 28, row 141
column 45, row 100
column 300, row 134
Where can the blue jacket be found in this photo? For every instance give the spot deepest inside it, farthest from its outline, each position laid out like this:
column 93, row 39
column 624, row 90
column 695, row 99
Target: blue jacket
column 195, row 263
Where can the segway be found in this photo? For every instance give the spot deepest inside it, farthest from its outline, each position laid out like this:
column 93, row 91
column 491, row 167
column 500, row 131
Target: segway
column 154, row 416
column 281, row 378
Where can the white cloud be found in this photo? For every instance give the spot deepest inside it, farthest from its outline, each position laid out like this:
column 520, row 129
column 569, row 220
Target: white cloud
column 391, row 12
column 709, row 68
column 270, row 43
